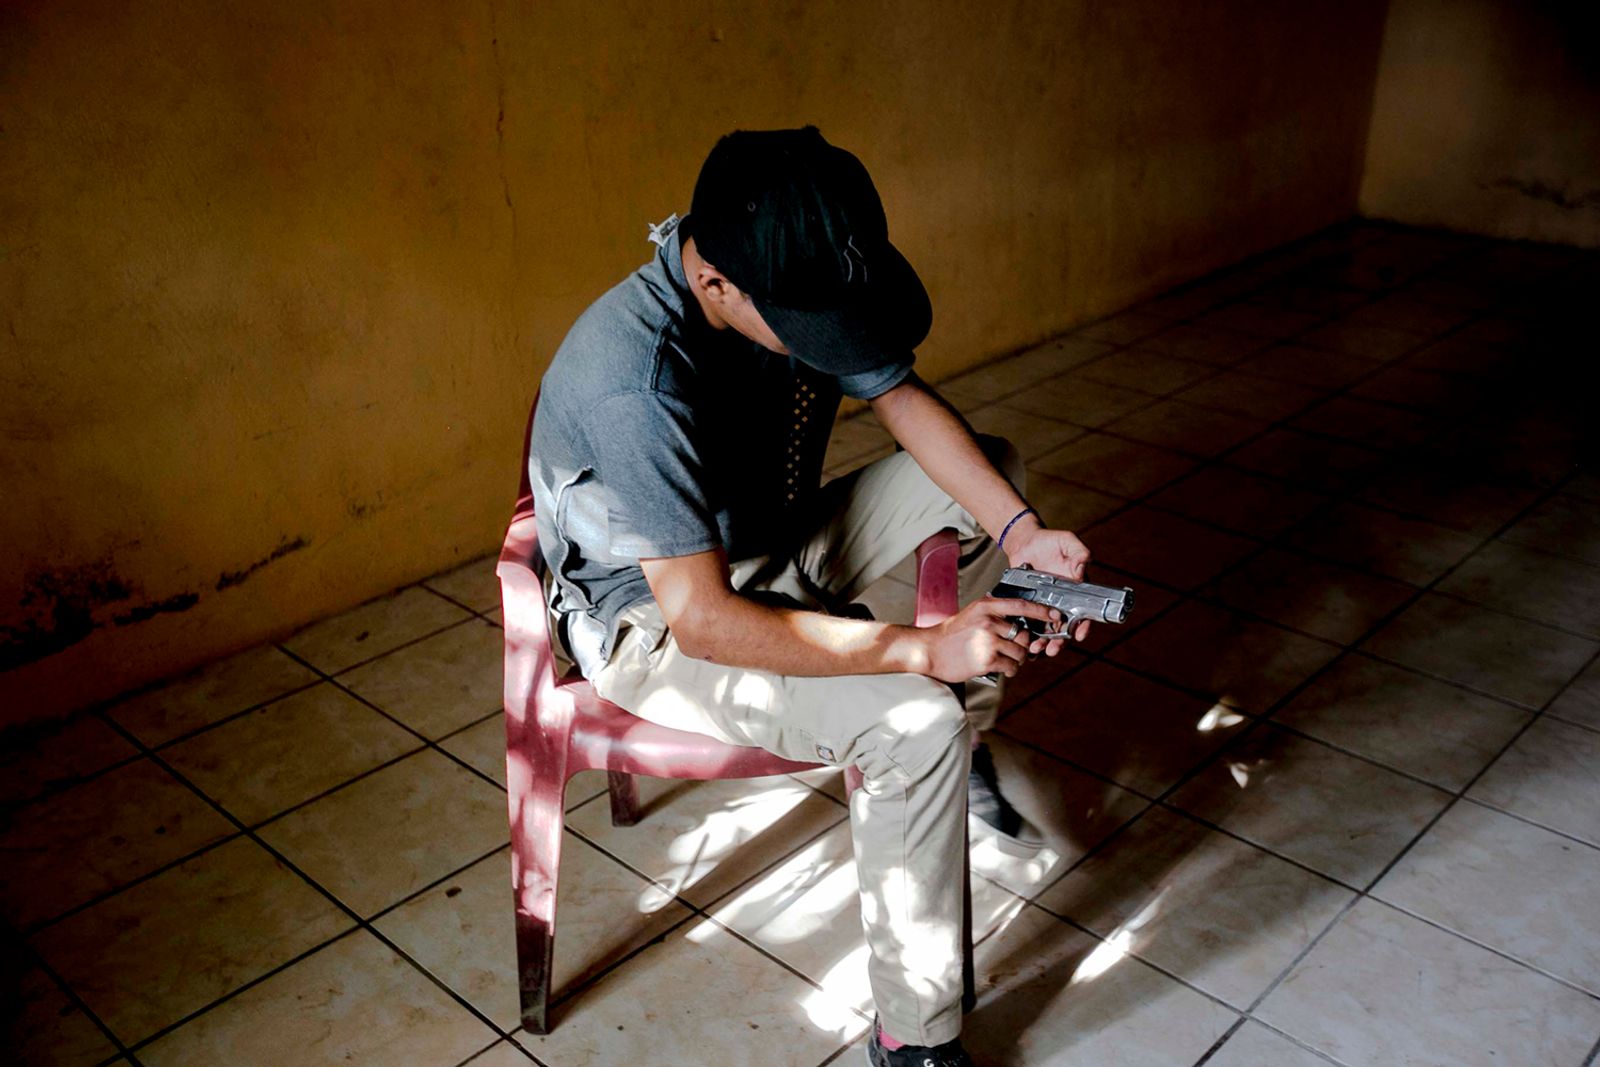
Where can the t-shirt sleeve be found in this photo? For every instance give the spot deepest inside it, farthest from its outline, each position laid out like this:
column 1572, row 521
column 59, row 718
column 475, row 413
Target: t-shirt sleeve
column 874, row 383
column 651, row 469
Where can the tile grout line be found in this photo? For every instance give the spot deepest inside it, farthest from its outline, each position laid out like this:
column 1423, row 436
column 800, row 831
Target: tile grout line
column 1528, row 546
column 103, row 713
column 720, row 897
column 281, row 646
column 845, row 1048
column 190, row 1016
column 464, row 727
column 55, row 789
column 1451, row 682
column 1231, row 743
column 1336, row 499
column 1245, row 1020
column 485, row 1050
column 361, row 924
column 1335, row 496
column 1098, row 938
column 42, row 925
column 145, row 752
column 1220, row 458
column 1572, row 984
column 122, row 1049
column 697, row 911
column 1257, row 716
column 1460, row 796
column 232, row 716
column 1262, row 345
column 1256, row 617
column 1364, row 893
column 101, row 898
column 1592, row 636
column 1171, row 808
column 1301, row 1042
column 1527, row 821
column 1087, row 772
column 427, row 742
column 419, row 892
column 1159, row 968
column 482, row 613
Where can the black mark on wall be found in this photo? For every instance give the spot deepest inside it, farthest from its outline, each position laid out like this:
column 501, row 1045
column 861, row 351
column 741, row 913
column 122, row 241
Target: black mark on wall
column 360, row 509
column 61, row 606
column 181, row 602
column 286, row 546
column 1550, row 194
column 57, row 609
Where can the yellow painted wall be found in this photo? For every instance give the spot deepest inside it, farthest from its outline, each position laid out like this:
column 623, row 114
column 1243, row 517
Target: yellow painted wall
column 279, row 279
column 1487, row 119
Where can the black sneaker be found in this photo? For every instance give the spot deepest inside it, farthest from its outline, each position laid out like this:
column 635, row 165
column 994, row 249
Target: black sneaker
column 987, row 805
column 984, row 798
column 949, row 1054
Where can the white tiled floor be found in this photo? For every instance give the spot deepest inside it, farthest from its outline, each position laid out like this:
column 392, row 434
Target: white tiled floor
column 1331, row 797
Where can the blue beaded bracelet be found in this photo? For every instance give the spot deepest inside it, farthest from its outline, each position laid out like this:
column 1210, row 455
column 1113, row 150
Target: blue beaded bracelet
column 1013, row 522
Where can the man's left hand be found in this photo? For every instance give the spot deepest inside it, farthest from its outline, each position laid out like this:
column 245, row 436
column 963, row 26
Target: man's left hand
column 1054, row 552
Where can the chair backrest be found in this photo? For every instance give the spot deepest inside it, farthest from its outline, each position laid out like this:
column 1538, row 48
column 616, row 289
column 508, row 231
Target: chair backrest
column 530, row 659
column 525, row 487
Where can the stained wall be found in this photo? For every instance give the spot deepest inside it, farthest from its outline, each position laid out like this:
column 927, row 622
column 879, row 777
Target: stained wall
column 279, row 279
column 1486, row 119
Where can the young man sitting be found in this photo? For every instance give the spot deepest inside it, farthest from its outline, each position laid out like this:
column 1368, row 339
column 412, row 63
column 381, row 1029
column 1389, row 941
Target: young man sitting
column 701, row 570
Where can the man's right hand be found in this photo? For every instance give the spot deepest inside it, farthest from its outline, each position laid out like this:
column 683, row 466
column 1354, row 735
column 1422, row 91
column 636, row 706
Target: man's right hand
column 981, row 638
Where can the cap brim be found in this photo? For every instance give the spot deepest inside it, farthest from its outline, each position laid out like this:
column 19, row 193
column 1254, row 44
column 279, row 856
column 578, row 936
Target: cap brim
column 890, row 317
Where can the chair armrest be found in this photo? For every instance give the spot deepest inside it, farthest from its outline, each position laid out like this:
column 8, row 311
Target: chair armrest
column 937, row 593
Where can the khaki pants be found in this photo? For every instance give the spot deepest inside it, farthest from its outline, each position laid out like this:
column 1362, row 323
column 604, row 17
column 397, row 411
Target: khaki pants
column 908, row 734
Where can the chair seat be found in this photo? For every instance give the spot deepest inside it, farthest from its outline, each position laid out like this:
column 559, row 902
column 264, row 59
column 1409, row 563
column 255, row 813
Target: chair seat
column 606, row 737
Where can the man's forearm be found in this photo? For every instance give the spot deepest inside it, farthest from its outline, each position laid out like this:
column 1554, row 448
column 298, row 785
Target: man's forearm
column 942, row 443
column 741, row 632
column 713, row 622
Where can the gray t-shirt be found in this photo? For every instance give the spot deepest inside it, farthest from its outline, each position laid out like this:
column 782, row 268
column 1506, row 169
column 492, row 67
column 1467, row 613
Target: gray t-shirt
column 656, row 435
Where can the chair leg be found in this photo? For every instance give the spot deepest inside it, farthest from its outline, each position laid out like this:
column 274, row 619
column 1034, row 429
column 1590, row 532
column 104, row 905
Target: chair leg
column 537, row 820
column 624, row 789
column 536, row 916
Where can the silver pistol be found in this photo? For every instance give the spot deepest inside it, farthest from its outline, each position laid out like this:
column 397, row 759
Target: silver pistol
column 1075, row 600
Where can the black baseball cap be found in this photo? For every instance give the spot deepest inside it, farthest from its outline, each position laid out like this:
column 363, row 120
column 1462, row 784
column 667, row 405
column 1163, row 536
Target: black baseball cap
column 796, row 223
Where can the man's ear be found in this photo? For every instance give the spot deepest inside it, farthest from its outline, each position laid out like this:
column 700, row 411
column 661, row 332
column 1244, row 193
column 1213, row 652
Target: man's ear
column 718, row 289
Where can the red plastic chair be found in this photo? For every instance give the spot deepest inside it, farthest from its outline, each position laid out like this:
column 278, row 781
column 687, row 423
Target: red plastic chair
column 558, row 727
